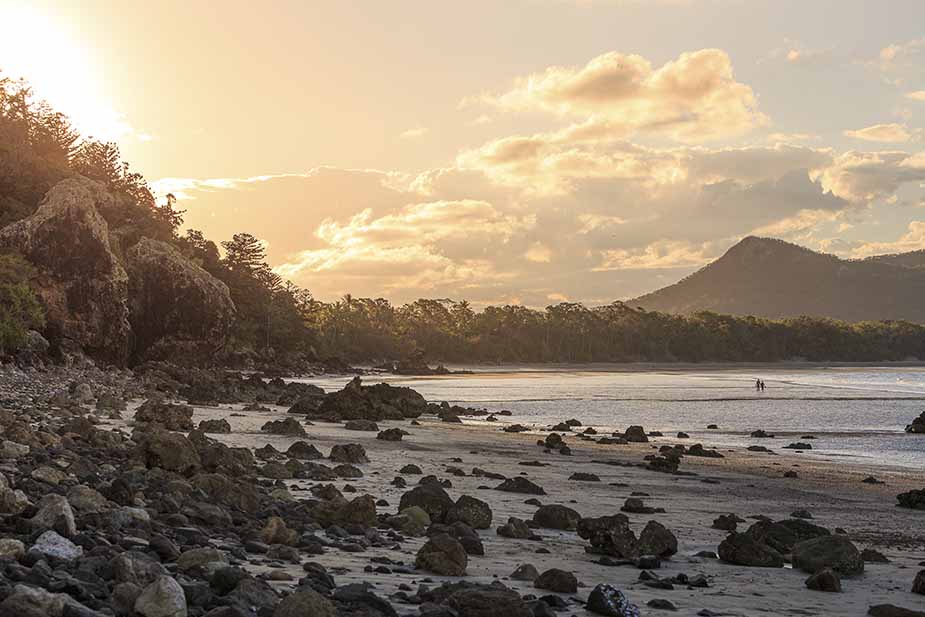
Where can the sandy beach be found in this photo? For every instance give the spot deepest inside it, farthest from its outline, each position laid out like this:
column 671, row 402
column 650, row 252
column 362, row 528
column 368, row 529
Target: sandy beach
column 744, row 483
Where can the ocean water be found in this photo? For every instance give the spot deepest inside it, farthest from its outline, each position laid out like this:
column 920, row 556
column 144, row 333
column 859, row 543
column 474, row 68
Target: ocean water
column 857, row 414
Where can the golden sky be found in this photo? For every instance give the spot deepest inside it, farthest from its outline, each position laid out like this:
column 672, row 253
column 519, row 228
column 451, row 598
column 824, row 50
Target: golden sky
column 526, row 151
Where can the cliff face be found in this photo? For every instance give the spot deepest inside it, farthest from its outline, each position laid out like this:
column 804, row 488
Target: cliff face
column 151, row 303
column 178, row 311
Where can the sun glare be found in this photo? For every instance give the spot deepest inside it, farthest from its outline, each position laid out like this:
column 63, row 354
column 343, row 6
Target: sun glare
column 34, row 47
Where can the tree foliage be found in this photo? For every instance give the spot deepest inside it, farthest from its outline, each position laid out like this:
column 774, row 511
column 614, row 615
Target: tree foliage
column 20, row 310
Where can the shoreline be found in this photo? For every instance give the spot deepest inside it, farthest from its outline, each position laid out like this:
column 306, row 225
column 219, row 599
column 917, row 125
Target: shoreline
column 745, row 483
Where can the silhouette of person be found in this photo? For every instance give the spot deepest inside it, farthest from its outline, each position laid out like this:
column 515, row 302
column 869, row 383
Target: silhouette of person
column 762, row 385
column 757, row 385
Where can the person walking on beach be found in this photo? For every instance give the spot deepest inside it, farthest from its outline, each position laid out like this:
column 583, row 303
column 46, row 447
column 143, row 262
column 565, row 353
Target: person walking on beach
column 757, row 385
column 761, row 384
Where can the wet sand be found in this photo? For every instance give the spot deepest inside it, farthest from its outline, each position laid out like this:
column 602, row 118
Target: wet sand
column 744, row 483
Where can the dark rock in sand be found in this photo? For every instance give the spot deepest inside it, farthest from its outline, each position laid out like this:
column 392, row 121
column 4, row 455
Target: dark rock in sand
column 410, row 470
column 657, row 540
column 304, row 451
column 635, row 434
column 430, row 497
column 442, row 555
column 698, row 450
column 833, row 551
column 824, row 580
column 726, row 522
column 914, row 499
column 215, row 426
column 918, row 424
column 869, row 555
column 302, row 603
column 609, row 535
column 743, row 550
column 391, row 434
column 918, row 583
column 472, row 600
column 761, row 434
column 516, row 529
column 352, row 453
column 559, row 581
column 582, row 476
column 169, row 415
column 799, row 446
column 519, row 484
column 377, row 402
column 471, row 511
column 555, row 516
column 609, row 601
column 170, row 451
column 525, row 572
column 289, row 426
column 891, row 610
column 783, row 535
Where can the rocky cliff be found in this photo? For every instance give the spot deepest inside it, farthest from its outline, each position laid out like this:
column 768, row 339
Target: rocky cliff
column 151, row 303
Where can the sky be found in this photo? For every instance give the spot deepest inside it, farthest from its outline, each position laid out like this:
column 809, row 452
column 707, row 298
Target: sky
column 515, row 151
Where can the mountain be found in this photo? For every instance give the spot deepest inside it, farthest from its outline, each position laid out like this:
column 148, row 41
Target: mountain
column 771, row 278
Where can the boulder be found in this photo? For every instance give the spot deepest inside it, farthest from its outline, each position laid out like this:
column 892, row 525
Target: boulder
column 443, row 555
column 178, row 311
column 559, row 581
column 361, row 425
column 525, row 572
column 783, row 535
column 743, row 550
column 162, row 598
column 379, row 402
column 170, row 451
column 609, row 535
column 304, row 451
column 655, row 539
column 288, row 426
column 636, row 434
column 81, row 282
column 169, row 415
column 918, row 583
column 519, row 484
column 52, row 544
column 54, row 513
column 555, row 516
column 609, row 601
column 834, row 551
column 430, row 497
column 824, row 580
column 487, row 601
column 914, row 499
column 918, row 424
column 516, row 529
column 304, row 603
column 473, row 512
column 220, row 426
column 352, row 453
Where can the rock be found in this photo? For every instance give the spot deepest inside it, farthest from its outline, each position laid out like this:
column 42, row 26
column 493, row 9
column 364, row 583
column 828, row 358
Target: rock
column 11, row 548
column 392, row 434
column 554, row 516
column 726, row 522
column 635, row 434
column 411, row 521
column 361, row 425
column 473, row 512
column 581, row 476
column 288, row 426
column 137, row 568
column 869, row 555
column 804, row 514
column 304, row 451
column 431, row 498
column 87, row 500
column 824, row 580
column 743, row 550
column 205, row 558
column 655, row 539
column 783, row 535
column 698, row 450
column 443, row 555
column 305, row 603
column 410, row 470
column 918, row 583
column 26, row 601
column 13, row 450
column 54, row 513
column 834, row 551
column 918, row 424
column 220, row 426
column 276, row 532
column 761, row 434
column 516, row 529
column 609, row 535
column 799, row 446
column 81, row 282
column 610, row 601
column 559, row 581
column 352, row 453
column 379, row 402
column 525, row 572
column 52, row 544
column 48, row 475
column 169, row 415
column 178, row 311
column 519, row 484
column 914, row 499
column 170, row 451
column 13, row 501
column 162, row 598
column 483, row 601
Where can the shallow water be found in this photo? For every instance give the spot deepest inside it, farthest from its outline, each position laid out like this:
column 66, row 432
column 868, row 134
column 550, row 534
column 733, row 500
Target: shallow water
column 857, row 413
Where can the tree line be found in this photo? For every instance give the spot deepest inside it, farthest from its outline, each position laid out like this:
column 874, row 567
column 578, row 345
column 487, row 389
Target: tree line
column 278, row 322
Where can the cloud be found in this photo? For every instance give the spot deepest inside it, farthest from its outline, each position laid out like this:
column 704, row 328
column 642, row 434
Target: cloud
column 414, row 133
column 868, row 176
column 912, row 240
column 693, row 98
column 658, row 255
column 918, row 95
column 886, row 133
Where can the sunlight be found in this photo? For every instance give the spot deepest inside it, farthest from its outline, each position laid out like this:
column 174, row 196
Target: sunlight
column 60, row 71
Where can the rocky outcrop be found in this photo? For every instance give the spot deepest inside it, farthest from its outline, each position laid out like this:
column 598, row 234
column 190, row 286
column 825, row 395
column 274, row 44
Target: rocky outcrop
column 177, row 310
column 148, row 302
column 81, row 282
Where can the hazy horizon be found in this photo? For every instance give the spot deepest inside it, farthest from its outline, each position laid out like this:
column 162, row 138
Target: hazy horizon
column 527, row 152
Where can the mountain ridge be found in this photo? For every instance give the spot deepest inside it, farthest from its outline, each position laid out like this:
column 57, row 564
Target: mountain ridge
column 769, row 277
